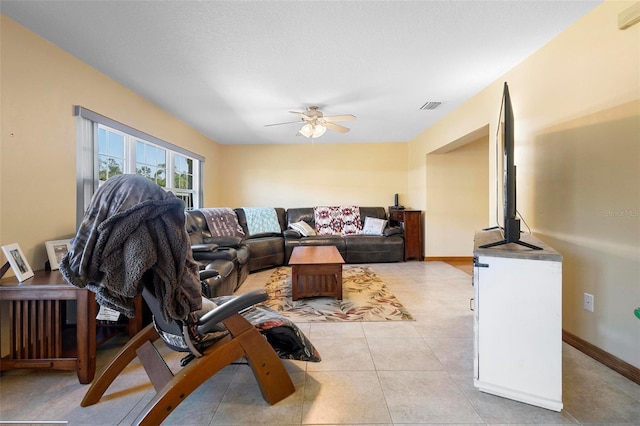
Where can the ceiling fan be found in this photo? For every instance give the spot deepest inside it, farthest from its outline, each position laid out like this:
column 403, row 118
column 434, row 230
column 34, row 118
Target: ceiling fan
column 315, row 123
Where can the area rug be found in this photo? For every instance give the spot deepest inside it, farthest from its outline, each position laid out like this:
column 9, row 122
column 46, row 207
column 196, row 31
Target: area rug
column 365, row 298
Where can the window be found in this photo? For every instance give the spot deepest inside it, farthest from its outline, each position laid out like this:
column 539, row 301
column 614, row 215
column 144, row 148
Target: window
column 111, row 158
column 107, row 148
column 151, row 162
column 183, row 179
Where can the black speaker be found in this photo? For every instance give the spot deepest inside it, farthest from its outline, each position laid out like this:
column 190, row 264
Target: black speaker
column 396, row 206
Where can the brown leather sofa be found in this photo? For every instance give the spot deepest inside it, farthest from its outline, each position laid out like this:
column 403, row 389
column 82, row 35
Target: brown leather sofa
column 233, row 258
column 388, row 247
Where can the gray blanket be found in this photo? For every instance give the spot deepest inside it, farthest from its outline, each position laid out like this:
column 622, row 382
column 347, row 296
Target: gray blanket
column 133, row 227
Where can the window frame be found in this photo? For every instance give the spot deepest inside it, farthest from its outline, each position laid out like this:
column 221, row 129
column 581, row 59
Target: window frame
column 87, row 163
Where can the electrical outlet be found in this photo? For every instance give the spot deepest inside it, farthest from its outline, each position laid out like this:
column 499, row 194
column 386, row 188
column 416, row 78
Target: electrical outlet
column 588, row 302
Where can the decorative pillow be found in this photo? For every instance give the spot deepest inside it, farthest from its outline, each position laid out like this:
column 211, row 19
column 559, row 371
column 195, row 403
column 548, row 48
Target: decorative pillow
column 262, row 220
column 373, row 226
column 340, row 220
column 303, row 228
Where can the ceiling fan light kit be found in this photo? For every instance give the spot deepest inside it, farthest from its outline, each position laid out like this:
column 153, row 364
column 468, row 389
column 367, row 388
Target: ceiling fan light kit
column 316, row 124
column 312, row 130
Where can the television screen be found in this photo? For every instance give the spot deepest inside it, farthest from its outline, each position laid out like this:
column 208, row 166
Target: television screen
column 510, row 225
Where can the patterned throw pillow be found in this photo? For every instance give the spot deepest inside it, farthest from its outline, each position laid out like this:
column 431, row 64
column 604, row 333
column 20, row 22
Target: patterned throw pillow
column 303, row 228
column 337, row 220
column 373, row 226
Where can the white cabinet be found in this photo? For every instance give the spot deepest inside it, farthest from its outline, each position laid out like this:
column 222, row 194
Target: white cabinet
column 518, row 321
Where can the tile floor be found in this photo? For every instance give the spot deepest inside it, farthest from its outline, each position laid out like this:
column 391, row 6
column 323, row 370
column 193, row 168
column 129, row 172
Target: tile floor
column 400, row 373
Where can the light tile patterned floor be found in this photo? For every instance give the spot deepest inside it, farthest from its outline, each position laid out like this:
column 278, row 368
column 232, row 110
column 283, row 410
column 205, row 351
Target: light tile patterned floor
column 418, row 372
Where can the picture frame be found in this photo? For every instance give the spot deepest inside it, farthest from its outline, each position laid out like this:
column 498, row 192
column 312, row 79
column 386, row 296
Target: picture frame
column 56, row 251
column 18, row 261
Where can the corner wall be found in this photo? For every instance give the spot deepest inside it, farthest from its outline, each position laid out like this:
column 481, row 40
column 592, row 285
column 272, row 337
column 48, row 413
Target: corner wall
column 457, row 198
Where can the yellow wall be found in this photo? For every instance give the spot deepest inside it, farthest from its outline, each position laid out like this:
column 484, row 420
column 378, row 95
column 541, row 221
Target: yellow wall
column 458, row 198
column 577, row 124
column 39, row 85
column 312, row 173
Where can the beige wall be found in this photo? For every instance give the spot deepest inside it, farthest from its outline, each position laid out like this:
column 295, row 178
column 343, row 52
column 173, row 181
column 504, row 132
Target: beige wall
column 39, row 85
column 313, row 173
column 577, row 123
column 457, row 198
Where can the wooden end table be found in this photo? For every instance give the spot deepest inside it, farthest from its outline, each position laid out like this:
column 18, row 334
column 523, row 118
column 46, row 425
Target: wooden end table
column 39, row 336
column 316, row 271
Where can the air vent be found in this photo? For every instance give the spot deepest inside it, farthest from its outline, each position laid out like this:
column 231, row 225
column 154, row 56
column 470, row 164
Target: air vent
column 431, row 105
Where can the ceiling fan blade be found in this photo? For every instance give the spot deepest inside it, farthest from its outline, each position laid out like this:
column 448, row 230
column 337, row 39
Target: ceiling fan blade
column 280, row 124
column 336, row 127
column 332, row 118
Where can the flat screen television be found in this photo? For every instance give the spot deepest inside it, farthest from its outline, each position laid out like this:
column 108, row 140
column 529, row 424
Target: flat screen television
column 505, row 140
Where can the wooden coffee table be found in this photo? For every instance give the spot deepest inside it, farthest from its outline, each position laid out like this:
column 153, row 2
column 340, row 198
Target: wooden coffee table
column 316, row 271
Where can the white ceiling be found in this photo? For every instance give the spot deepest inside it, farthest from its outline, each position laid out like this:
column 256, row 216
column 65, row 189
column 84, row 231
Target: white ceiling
column 228, row 68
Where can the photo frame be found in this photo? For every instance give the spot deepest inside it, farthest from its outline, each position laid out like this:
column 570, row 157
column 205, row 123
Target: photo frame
column 18, row 262
column 56, row 251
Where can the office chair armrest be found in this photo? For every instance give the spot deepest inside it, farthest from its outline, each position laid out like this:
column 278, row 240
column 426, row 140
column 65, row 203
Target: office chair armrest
column 209, row 320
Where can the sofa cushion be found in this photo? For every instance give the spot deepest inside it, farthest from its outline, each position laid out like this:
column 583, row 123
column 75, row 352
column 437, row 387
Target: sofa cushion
column 373, row 226
column 303, row 228
column 296, row 214
column 373, row 249
column 265, row 252
column 262, row 220
column 316, row 240
column 223, row 242
column 393, row 230
column 337, row 220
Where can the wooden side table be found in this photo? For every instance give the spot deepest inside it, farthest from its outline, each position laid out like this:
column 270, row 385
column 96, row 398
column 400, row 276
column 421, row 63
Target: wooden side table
column 39, row 337
column 411, row 223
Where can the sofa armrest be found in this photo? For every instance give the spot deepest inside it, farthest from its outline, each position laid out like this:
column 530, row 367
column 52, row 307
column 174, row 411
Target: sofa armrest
column 292, row 234
column 203, row 248
column 392, row 230
column 233, row 242
column 222, row 253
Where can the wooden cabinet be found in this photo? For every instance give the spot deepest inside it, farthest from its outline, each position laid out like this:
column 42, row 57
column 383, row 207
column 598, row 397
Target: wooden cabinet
column 411, row 223
column 518, row 321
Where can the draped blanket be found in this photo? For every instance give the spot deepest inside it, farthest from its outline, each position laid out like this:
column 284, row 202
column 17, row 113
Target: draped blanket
column 262, row 220
column 132, row 227
column 222, row 222
column 337, row 220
